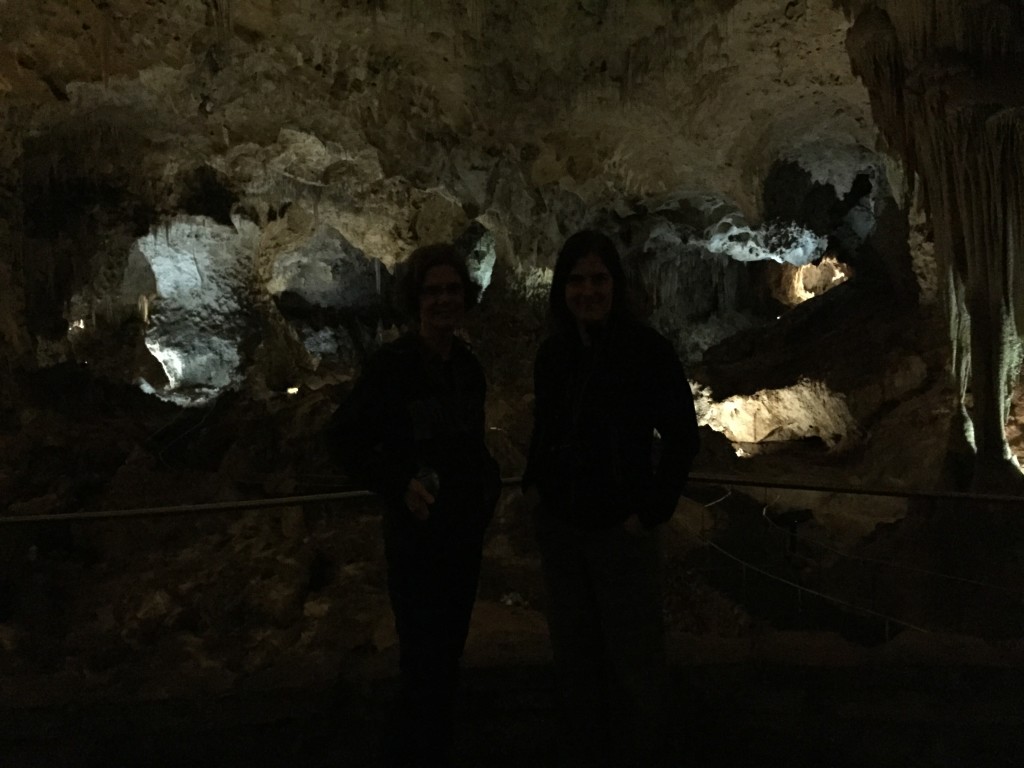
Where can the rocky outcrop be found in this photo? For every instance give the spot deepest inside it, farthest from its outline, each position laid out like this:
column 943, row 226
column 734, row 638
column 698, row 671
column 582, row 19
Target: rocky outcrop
column 947, row 94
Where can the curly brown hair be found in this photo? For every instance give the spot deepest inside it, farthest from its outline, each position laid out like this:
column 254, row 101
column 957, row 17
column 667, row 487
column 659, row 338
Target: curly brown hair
column 413, row 273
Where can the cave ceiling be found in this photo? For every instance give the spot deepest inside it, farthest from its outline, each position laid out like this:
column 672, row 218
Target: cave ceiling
column 647, row 96
column 268, row 145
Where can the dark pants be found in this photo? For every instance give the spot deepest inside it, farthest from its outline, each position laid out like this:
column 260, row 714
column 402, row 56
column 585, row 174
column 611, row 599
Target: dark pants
column 432, row 581
column 607, row 636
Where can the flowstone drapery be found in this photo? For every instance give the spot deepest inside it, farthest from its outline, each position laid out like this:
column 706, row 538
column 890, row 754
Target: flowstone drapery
column 946, row 93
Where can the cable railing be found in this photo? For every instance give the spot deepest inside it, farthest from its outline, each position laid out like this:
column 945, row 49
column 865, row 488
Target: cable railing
column 794, row 537
column 874, row 561
column 699, row 479
column 696, row 478
column 804, row 589
column 853, row 490
column 180, row 510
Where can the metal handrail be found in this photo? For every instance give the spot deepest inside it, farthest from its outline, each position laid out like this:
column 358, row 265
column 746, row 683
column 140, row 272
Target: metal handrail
column 696, row 478
column 185, row 509
column 703, row 479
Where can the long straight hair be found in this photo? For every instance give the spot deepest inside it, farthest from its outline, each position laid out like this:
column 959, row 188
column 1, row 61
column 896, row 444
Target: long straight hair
column 578, row 246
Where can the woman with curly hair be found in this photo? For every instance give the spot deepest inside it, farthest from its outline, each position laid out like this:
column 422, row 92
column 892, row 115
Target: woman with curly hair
column 413, row 431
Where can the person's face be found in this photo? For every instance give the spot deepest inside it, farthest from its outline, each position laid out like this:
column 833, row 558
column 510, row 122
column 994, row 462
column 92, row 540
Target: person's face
column 442, row 300
column 589, row 291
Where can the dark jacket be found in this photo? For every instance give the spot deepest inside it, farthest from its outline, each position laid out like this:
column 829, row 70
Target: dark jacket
column 593, row 455
column 411, row 411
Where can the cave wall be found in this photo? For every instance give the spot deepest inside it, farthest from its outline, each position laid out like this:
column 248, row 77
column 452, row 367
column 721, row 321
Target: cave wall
column 205, row 196
column 947, row 93
column 387, row 123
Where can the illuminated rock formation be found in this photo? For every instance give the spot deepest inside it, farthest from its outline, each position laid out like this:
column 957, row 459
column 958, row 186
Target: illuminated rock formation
column 725, row 143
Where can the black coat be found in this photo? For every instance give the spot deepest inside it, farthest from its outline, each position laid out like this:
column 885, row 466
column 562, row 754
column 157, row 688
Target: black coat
column 593, row 454
column 412, row 411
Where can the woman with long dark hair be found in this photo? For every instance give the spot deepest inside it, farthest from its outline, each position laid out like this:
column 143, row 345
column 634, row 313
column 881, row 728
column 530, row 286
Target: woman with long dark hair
column 614, row 436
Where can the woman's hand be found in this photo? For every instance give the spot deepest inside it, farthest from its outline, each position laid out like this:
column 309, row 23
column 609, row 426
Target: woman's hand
column 634, row 527
column 531, row 498
column 418, row 499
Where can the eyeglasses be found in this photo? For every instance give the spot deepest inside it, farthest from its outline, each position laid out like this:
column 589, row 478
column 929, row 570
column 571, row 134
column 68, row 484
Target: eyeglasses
column 446, row 289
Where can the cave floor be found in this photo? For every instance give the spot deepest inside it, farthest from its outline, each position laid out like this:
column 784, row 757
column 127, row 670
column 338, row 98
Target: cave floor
column 758, row 677
column 796, row 699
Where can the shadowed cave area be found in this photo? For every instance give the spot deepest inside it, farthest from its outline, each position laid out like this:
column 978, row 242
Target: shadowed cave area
column 203, row 206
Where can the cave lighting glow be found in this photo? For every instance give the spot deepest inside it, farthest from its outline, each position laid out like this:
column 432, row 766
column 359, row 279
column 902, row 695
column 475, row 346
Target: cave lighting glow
column 169, row 359
column 807, row 409
column 813, row 280
column 197, row 268
column 535, row 281
column 774, row 241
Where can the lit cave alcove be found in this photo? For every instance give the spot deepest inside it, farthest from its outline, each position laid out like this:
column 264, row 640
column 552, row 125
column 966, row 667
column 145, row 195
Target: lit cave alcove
column 204, row 210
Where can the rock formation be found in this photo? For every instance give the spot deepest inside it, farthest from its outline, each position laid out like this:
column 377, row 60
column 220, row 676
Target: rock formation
column 947, row 93
column 213, row 183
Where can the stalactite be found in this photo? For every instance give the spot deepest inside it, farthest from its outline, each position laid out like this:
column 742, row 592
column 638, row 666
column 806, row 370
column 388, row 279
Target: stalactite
column 876, row 57
column 986, row 28
column 476, row 11
column 628, row 73
column 645, row 57
column 411, row 13
column 223, row 15
column 953, row 127
column 616, row 12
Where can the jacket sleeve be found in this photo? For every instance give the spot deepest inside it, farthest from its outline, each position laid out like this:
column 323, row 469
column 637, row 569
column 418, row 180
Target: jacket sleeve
column 676, row 422
column 368, row 433
column 534, row 470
